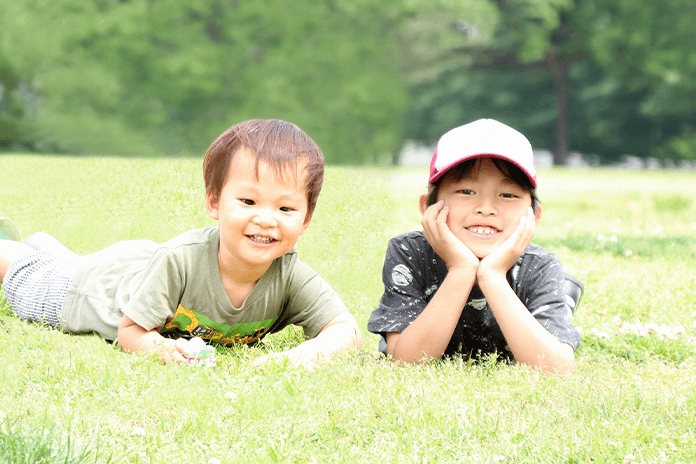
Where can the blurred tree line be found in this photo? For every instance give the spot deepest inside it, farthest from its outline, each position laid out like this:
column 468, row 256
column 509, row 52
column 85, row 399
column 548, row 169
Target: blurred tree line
column 147, row 77
column 151, row 77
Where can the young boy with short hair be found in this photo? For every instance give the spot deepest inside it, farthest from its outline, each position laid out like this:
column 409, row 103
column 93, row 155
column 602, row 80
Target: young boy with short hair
column 231, row 284
column 472, row 283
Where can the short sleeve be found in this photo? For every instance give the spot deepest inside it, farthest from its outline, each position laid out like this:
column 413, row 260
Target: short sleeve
column 409, row 276
column 312, row 303
column 156, row 295
column 541, row 287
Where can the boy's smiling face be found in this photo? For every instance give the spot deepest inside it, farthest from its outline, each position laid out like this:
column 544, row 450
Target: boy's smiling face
column 261, row 215
column 485, row 206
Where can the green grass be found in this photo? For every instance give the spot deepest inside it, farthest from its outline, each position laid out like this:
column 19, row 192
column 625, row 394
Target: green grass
column 629, row 236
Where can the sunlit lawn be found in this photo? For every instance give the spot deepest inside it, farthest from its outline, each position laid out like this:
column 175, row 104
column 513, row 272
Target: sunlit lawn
column 629, row 236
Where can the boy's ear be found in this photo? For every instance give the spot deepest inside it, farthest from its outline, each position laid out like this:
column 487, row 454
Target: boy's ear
column 307, row 220
column 537, row 213
column 211, row 205
column 422, row 203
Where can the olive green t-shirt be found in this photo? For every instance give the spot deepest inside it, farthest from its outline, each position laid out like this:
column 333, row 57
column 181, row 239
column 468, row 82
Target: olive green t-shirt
column 176, row 288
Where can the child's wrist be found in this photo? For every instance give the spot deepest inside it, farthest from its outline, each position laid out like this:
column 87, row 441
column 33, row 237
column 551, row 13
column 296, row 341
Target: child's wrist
column 462, row 271
column 490, row 277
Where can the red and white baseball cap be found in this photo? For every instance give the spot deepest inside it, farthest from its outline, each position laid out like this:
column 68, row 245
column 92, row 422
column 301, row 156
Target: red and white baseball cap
column 480, row 139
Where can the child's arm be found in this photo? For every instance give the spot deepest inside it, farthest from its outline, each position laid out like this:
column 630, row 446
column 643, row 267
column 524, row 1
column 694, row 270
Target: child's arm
column 429, row 335
column 340, row 334
column 135, row 339
column 528, row 340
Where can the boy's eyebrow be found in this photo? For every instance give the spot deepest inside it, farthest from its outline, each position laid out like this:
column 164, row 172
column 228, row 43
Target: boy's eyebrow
column 511, row 181
column 253, row 188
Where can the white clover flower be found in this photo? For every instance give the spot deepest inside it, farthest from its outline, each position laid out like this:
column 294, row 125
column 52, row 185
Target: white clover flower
column 652, row 328
column 657, row 230
column 599, row 333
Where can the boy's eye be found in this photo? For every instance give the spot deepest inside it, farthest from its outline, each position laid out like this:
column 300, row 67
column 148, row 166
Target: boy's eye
column 286, row 209
column 247, row 201
column 466, row 191
column 508, row 195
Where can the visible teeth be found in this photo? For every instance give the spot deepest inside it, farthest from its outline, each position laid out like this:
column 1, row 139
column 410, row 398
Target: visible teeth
column 482, row 230
column 258, row 238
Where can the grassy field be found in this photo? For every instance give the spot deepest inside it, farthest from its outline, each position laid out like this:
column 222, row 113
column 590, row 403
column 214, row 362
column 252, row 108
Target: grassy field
column 629, row 236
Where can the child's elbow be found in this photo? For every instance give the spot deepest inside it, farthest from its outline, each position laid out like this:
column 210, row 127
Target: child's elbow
column 355, row 333
column 564, row 362
column 358, row 338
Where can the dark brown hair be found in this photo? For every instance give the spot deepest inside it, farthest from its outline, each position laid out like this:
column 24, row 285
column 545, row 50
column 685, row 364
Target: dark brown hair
column 278, row 143
column 462, row 170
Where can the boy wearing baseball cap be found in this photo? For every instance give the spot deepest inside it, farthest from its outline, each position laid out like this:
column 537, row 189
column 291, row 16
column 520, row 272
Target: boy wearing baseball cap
column 472, row 283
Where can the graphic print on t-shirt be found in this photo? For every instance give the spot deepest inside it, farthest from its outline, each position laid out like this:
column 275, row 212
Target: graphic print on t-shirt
column 188, row 323
column 401, row 275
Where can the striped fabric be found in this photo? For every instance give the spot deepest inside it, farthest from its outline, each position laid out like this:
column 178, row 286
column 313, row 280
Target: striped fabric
column 36, row 284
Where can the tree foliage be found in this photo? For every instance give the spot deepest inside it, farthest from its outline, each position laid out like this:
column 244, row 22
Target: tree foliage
column 147, row 76
column 600, row 77
column 648, row 47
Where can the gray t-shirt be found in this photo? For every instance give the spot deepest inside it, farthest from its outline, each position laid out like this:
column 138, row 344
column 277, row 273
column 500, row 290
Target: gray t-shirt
column 413, row 272
column 176, row 288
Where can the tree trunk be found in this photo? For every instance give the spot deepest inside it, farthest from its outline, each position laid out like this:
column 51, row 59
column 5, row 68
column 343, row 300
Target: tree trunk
column 558, row 67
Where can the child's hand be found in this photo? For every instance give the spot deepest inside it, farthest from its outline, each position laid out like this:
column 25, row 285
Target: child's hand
column 135, row 339
column 453, row 251
column 507, row 254
column 173, row 350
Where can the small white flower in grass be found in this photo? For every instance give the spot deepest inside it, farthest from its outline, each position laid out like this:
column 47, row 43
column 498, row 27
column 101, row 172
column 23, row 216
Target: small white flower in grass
column 617, row 321
column 628, row 252
column 666, row 331
column 652, row 328
column 138, row 432
column 629, row 458
column 232, row 396
column 599, row 333
column 213, row 461
column 657, row 230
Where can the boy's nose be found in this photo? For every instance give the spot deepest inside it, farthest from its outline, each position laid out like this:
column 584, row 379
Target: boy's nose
column 264, row 218
column 486, row 208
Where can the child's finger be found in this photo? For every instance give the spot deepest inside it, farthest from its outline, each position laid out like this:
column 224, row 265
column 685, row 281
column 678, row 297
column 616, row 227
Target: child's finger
column 441, row 229
column 430, row 219
column 531, row 223
column 526, row 229
column 441, row 220
column 433, row 211
column 522, row 234
column 181, row 345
